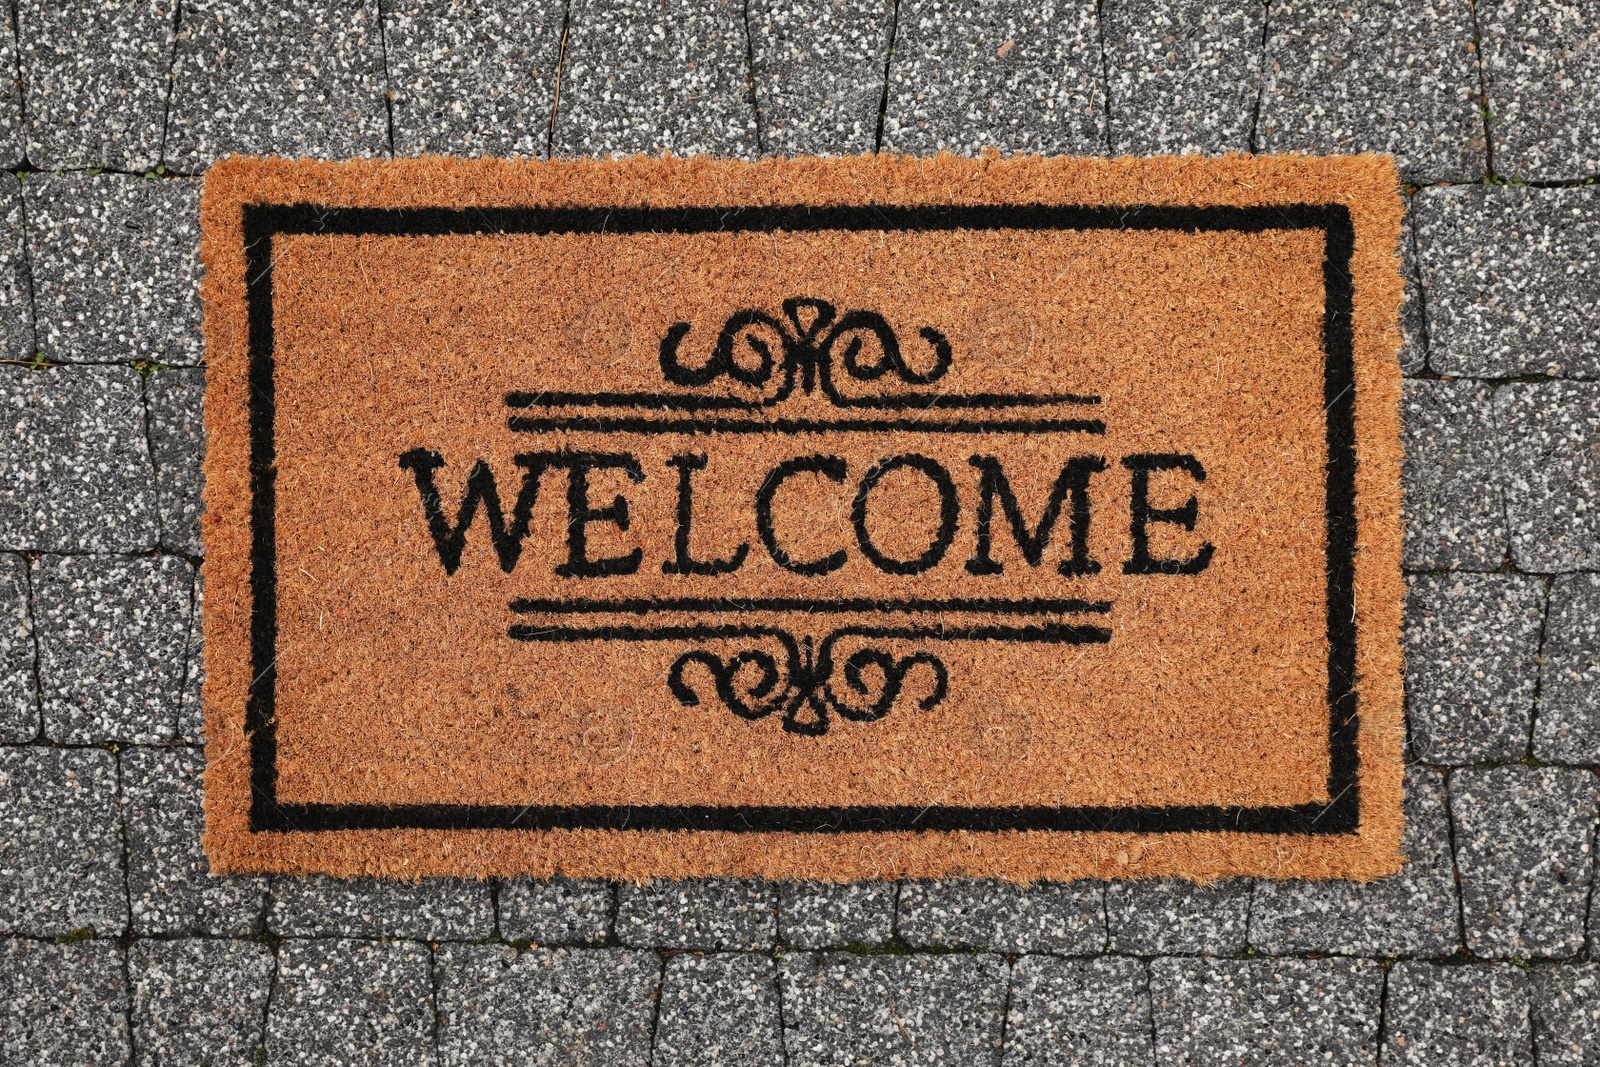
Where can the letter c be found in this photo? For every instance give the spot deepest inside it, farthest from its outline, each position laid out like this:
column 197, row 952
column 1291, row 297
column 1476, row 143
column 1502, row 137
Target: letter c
column 830, row 467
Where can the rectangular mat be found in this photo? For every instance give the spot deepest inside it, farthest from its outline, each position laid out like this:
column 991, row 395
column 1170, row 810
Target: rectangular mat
column 858, row 518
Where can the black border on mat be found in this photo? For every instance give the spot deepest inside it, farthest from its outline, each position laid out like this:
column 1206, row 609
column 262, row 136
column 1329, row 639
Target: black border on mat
column 1340, row 815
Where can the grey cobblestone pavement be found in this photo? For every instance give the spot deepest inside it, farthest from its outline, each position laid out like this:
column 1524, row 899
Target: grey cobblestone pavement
column 118, row 947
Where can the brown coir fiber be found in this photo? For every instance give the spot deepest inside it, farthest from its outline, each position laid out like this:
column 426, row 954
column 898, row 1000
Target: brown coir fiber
column 829, row 519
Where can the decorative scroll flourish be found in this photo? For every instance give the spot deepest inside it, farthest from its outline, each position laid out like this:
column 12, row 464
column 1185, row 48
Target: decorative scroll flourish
column 755, row 349
column 751, row 683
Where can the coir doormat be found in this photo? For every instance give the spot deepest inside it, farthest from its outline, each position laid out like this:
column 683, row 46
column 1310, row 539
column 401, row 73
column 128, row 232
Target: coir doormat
column 833, row 519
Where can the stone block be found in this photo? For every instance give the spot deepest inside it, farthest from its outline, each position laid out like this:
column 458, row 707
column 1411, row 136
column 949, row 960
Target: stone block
column 94, row 81
column 1001, row 917
column 60, row 843
column 1456, row 1015
column 545, row 1007
column 113, row 638
column 1455, row 516
column 198, row 1001
column 66, row 1005
column 170, row 883
column 1472, row 645
column 818, row 73
column 640, row 77
column 116, row 267
column 1541, row 60
column 75, row 475
column 969, row 75
column 351, row 1004
column 302, row 79
column 1396, row 76
column 475, row 78
column 1550, row 446
column 719, row 1009
column 844, row 1008
column 1524, row 848
column 1182, row 77
column 1567, row 726
column 711, row 913
column 1512, row 277
column 1261, row 1012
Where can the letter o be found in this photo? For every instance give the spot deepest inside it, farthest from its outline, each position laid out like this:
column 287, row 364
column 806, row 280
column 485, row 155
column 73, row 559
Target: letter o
column 949, row 509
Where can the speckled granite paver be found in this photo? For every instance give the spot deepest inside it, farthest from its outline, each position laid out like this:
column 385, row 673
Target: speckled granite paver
column 473, row 79
column 1182, row 77
column 75, row 473
column 968, row 75
column 645, row 78
column 1396, row 76
column 1541, row 60
column 94, row 81
column 1511, row 276
column 19, row 689
column 818, row 72
column 300, row 79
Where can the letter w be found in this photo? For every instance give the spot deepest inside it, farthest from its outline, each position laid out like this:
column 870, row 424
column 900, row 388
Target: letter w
column 448, row 540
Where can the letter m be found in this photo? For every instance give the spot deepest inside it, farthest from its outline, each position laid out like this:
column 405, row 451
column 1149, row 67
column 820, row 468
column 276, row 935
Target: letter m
column 450, row 540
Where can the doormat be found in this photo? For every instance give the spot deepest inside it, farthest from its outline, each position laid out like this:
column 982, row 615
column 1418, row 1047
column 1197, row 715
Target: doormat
column 830, row 519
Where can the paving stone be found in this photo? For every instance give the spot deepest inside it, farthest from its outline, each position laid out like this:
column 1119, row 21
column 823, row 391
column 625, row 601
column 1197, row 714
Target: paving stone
column 433, row 909
column 1454, row 512
column 60, row 851
column 1244, row 1013
column 16, row 291
column 350, row 1003
column 1182, row 77
column 473, row 77
column 1567, row 728
column 1413, row 312
column 116, row 267
column 1148, row 918
column 1550, row 445
column 1472, row 645
column 113, row 632
column 19, row 699
column 968, row 75
column 1093, row 1013
column 559, row 911
column 643, row 77
column 191, row 715
column 843, row 1008
column 1524, row 840
column 1456, row 1016
column 712, row 913
column 11, row 132
column 174, row 399
column 719, row 1010
column 498, row 1006
column 1395, row 76
column 169, row 879
column 94, row 77
column 198, row 1001
column 834, row 915
column 301, row 79
column 65, row 1004
column 74, row 471
column 970, row 913
column 1566, row 1015
column 818, row 73
column 1542, row 63
column 1412, row 913
column 1512, row 276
